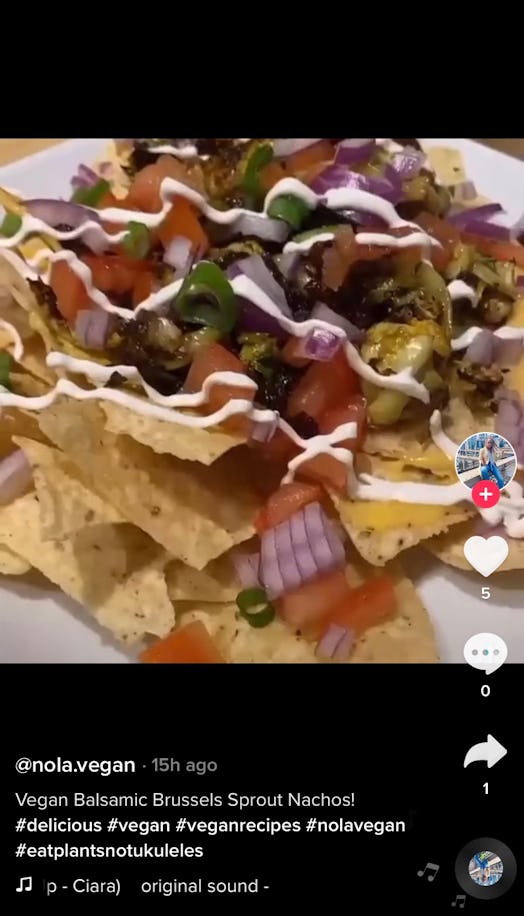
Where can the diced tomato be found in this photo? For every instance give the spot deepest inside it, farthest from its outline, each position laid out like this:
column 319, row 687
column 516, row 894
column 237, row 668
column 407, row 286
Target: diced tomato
column 354, row 411
column 71, row 294
column 291, row 353
column 114, row 273
column 215, row 358
column 362, row 608
column 324, row 385
column 191, row 645
column 284, row 502
column 445, row 233
column 312, row 601
column 109, row 200
column 145, row 190
column 142, row 286
column 271, row 174
column 182, row 220
column 500, row 251
column 326, row 469
column 280, row 448
column 305, row 159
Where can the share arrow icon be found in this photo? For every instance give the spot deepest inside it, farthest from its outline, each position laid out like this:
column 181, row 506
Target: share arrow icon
column 491, row 751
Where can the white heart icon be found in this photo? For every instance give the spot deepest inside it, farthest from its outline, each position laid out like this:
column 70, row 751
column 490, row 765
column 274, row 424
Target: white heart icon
column 486, row 554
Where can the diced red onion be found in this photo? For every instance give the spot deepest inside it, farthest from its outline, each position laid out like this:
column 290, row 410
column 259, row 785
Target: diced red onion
column 482, row 349
column 92, row 328
column 252, row 320
column 56, row 212
column 408, row 163
column 264, row 430
column 16, row 475
column 337, row 176
column 261, row 227
column 179, row 255
column 246, row 567
column 462, row 219
column 323, row 313
column 508, row 352
column 288, row 262
column 84, row 178
column 255, row 270
column 350, row 151
column 488, row 230
column 64, row 212
column 284, row 148
column 319, row 345
column 299, row 549
column 336, row 643
column 465, row 190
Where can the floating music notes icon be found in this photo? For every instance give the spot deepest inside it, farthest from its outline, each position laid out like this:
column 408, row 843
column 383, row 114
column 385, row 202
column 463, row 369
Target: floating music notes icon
column 26, row 884
column 432, row 869
column 460, row 899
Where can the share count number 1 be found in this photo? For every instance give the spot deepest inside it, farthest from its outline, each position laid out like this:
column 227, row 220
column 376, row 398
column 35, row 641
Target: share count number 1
column 485, row 787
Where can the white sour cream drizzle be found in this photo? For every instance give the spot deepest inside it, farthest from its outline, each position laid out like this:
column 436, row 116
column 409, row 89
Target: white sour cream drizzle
column 181, row 152
column 467, row 338
column 18, row 347
column 365, row 238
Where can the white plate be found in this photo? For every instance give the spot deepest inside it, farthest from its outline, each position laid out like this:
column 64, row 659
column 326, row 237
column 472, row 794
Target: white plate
column 39, row 624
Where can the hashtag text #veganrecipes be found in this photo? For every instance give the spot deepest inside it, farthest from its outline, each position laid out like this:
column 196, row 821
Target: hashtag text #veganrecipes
column 161, row 800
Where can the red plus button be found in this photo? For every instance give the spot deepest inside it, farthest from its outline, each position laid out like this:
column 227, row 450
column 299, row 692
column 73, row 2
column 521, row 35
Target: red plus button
column 485, row 494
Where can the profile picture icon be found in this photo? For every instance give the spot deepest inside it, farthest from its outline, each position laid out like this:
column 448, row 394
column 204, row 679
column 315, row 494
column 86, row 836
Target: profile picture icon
column 486, row 456
column 485, row 868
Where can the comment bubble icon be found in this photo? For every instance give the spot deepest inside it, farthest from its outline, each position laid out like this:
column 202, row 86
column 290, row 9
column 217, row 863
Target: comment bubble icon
column 485, row 651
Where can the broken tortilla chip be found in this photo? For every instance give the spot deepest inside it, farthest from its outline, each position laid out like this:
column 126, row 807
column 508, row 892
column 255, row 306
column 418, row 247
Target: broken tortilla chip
column 197, row 513
column 102, row 567
column 66, row 505
column 184, row 442
column 382, row 530
column 11, row 564
column 216, row 583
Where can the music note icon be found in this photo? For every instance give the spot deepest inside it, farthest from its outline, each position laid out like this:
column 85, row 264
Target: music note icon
column 26, row 884
column 461, row 900
column 432, row 869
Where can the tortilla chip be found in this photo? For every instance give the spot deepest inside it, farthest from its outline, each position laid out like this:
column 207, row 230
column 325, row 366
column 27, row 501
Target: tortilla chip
column 382, row 530
column 450, row 548
column 184, row 442
column 14, row 422
column 216, row 583
column 459, row 421
column 11, row 564
column 66, row 506
column 430, row 466
column 197, row 513
column 113, row 170
column 114, row 570
column 407, row 638
column 448, row 164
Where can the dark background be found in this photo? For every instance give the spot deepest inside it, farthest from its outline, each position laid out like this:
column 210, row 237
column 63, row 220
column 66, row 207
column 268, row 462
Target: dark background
column 394, row 735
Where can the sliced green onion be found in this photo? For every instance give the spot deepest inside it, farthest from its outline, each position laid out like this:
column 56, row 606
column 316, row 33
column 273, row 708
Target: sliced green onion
column 137, row 242
column 291, row 209
column 255, row 608
column 5, row 368
column 11, row 225
column 207, row 298
column 259, row 158
column 92, row 196
column 302, row 236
